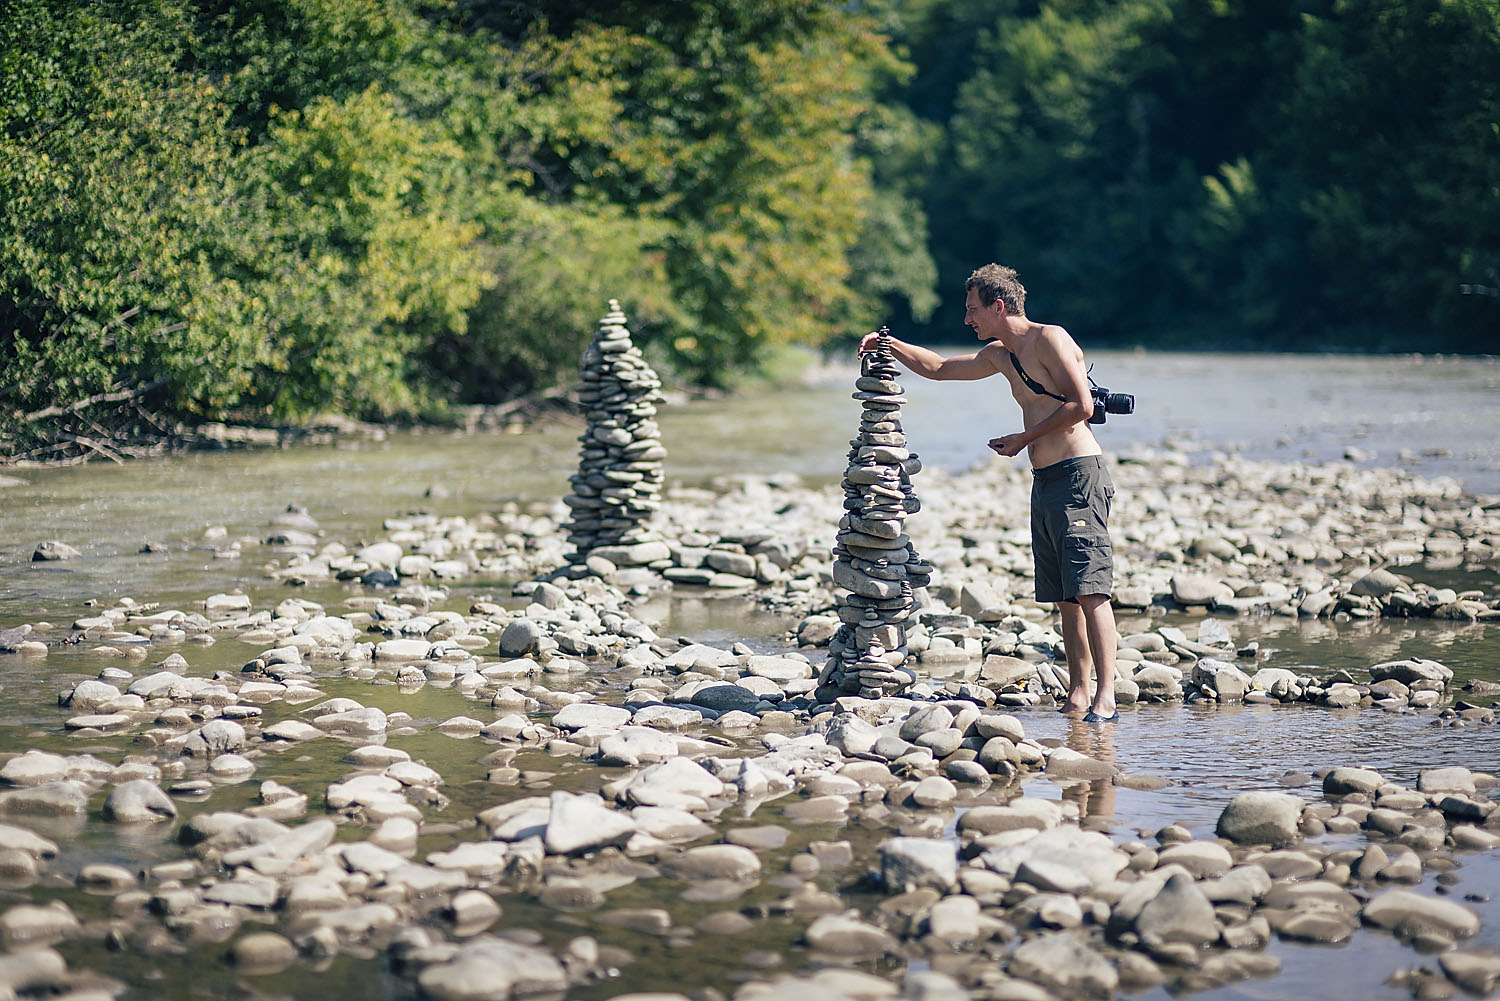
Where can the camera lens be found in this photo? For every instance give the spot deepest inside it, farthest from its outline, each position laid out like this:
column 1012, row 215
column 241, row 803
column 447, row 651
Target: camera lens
column 1119, row 403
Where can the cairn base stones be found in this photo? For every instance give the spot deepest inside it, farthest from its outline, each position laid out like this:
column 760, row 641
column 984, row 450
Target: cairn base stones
column 875, row 565
column 618, row 484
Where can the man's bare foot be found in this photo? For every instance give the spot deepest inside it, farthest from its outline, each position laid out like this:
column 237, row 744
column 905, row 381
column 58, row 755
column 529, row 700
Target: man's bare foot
column 1075, row 704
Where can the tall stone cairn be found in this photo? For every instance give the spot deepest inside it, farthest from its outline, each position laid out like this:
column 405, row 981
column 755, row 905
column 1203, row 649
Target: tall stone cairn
column 875, row 565
column 616, row 489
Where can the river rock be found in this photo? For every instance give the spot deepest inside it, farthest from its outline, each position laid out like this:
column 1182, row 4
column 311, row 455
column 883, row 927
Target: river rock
column 586, row 714
column 32, row 971
column 909, row 863
column 1272, row 818
column 1064, row 963
column 53, row 550
column 1157, row 683
column 725, row 698
column 13, row 639
column 1342, row 781
column 1199, row 589
column 293, row 730
column 676, row 782
column 1066, row 763
column 1201, row 859
column 1452, row 779
column 1021, row 813
column 1224, row 678
column 1178, row 912
column 220, row 736
column 847, row 935
column 364, row 720
column 493, row 969
column 1059, row 859
column 262, row 952
column 87, row 696
column 138, row 801
column 520, row 637
column 1000, row 670
column 582, row 823
column 1409, row 671
column 926, row 719
column 1277, row 681
column 19, row 839
column 50, row 799
column 404, row 650
column 1476, row 973
column 34, row 768
column 632, row 745
column 1409, row 914
column 1244, row 884
column 727, row 862
column 1379, row 583
column 27, row 926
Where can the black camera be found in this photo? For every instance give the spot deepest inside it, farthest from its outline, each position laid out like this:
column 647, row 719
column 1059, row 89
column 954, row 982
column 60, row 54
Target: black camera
column 1106, row 402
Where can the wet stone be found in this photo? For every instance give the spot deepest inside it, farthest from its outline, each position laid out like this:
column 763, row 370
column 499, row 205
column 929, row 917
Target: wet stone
column 1064, row 963
column 843, row 935
column 710, row 862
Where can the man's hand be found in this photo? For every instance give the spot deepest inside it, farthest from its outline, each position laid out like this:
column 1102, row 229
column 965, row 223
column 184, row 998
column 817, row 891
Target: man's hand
column 868, row 342
column 1008, row 445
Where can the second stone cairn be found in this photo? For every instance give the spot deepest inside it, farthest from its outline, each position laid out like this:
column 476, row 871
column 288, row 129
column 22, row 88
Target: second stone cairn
column 616, row 488
column 875, row 565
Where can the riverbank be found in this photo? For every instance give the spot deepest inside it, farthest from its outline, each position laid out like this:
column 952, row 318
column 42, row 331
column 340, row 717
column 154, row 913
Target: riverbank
column 147, row 435
column 381, row 747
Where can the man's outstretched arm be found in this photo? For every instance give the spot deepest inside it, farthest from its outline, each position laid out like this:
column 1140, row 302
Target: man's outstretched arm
column 931, row 365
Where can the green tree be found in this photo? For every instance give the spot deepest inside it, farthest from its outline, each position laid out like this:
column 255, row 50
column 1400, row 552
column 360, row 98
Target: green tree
column 1399, row 190
column 115, row 165
column 734, row 126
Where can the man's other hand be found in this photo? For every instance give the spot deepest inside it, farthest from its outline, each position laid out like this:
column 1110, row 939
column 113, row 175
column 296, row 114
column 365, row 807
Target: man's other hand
column 1008, row 445
column 868, row 342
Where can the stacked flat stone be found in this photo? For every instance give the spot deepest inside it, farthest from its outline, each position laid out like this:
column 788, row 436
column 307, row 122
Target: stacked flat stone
column 875, row 565
column 617, row 486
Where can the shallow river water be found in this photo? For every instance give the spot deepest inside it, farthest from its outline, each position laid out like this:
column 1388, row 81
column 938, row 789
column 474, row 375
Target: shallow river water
column 1434, row 417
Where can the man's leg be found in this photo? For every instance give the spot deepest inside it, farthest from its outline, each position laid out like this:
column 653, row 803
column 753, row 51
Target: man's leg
column 1097, row 622
column 1080, row 664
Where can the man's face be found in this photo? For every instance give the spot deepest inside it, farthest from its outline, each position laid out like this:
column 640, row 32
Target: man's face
column 983, row 320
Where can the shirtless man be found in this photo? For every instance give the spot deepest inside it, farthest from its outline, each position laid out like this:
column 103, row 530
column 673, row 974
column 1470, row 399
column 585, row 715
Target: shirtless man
column 1071, row 489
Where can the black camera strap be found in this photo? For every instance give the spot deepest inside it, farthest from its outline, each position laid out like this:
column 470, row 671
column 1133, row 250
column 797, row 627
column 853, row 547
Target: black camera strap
column 1032, row 384
column 1037, row 387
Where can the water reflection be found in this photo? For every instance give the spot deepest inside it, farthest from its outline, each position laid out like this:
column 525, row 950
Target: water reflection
column 1096, row 797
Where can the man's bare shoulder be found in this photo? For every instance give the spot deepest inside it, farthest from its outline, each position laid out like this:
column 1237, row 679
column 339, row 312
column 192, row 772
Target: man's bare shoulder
column 993, row 352
column 1059, row 342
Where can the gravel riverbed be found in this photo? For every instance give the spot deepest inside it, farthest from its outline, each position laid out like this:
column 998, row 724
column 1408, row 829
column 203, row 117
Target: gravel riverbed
column 451, row 755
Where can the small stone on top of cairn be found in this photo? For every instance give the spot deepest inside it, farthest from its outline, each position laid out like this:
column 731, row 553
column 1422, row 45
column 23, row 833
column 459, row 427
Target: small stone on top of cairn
column 616, row 489
column 875, row 565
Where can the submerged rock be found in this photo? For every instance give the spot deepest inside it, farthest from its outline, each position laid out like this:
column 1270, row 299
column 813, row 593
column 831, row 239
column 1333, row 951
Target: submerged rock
column 1272, row 818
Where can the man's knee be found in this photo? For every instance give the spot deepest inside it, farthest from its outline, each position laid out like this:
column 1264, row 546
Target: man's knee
column 1090, row 603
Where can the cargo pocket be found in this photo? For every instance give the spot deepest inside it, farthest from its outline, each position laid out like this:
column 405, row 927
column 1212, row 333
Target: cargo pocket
column 1088, row 557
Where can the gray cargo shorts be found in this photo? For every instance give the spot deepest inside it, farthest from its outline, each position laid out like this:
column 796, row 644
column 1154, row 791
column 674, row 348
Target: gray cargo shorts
column 1069, row 529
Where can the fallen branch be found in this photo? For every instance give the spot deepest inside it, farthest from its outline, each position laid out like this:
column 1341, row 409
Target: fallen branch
column 112, row 456
column 114, row 396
